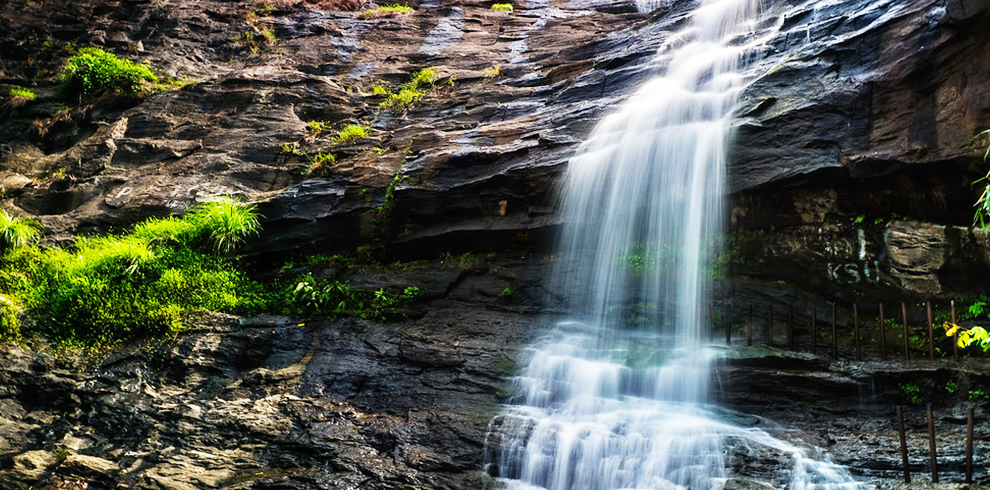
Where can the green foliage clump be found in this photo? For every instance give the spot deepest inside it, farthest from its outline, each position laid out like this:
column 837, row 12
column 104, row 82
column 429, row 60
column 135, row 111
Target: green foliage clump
column 912, row 393
column 225, row 224
column 104, row 290
column 335, row 299
column 410, row 92
column 491, row 72
column 402, row 99
column 316, row 127
column 10, row 324
column 22, row 92
column 320, row 164
column 981, row 217
column 16, row 232
column 257, row 39
column 386, row 11
column 94, row 71
column 351, row 132
column 502, row 7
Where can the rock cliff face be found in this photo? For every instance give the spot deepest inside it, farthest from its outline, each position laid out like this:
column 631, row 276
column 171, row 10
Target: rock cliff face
column 850, row 177
column 860, row 114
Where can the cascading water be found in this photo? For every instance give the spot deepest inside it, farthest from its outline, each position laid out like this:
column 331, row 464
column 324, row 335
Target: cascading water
column 617, row 399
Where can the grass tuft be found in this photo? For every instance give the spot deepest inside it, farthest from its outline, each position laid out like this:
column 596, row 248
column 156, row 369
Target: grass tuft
column 393, row 10
column 226, row 223
column 351, row 132
column 23, row 93
column 16, row 232
column 320, row 164
column 95, row 71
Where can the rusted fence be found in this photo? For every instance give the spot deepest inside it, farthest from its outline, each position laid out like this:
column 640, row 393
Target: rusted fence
column 932, row 451
column 860, row 335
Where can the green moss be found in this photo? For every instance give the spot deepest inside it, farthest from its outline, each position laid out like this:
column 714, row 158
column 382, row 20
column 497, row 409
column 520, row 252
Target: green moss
column 351, row 132
column 502, row 7
column 320, row 164
column 386, row 11
column 22, row 92
column 94, row 71
column 410, row 92
column 10, row 324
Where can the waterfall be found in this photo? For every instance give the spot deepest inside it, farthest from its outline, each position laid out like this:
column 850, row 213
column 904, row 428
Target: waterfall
column 616, row 398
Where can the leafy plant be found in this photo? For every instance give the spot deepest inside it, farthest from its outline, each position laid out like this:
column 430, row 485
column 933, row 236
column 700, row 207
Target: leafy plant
column 336, row 299
column 22, row 92
column 16, row 232
column 493, row 71
column 10, row 324
column 412, row 91
column 978, row 393
column 316, row 127
column 320, row 164
column 402, row 100
column 386, row 11
column 290, row 149
column 502, row 7
column 226, row 223
column 351, row 132
column 94, row 71
column 982, row 215
column 257, row 39
column 911, row 392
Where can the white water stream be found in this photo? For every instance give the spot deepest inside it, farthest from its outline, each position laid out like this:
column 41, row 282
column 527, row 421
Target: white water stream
column 617, row 398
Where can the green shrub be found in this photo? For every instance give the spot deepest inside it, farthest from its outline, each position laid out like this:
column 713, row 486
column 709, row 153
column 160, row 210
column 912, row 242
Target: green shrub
column 320, row 164
column 336, row 299
column 94, row 71
column 225, row 223
column 351, row 132
column 502, row 7
column 22, row 92
column 16, row 232
column 492, row 72
column 10, row 325
column 412, row 91
column 402, row 100
column 385, row 11
column 257, row 39
column 316, row 127
column 104, row 290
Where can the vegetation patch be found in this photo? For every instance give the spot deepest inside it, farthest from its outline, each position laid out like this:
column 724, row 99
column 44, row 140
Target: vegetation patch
column 393, row 10
column 94, row 71
column 492, row 72
column 23, row 93
column 273, row 7
column 331, row 298
column 314, row 128
column 321, row 163
column 351, row 132
column 409, row 93
column 104, row 290
column 16, row 232
column 257, row 39
column 502, row 7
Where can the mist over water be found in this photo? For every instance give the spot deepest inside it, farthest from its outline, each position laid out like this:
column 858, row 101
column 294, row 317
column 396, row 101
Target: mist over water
column 617, row 397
